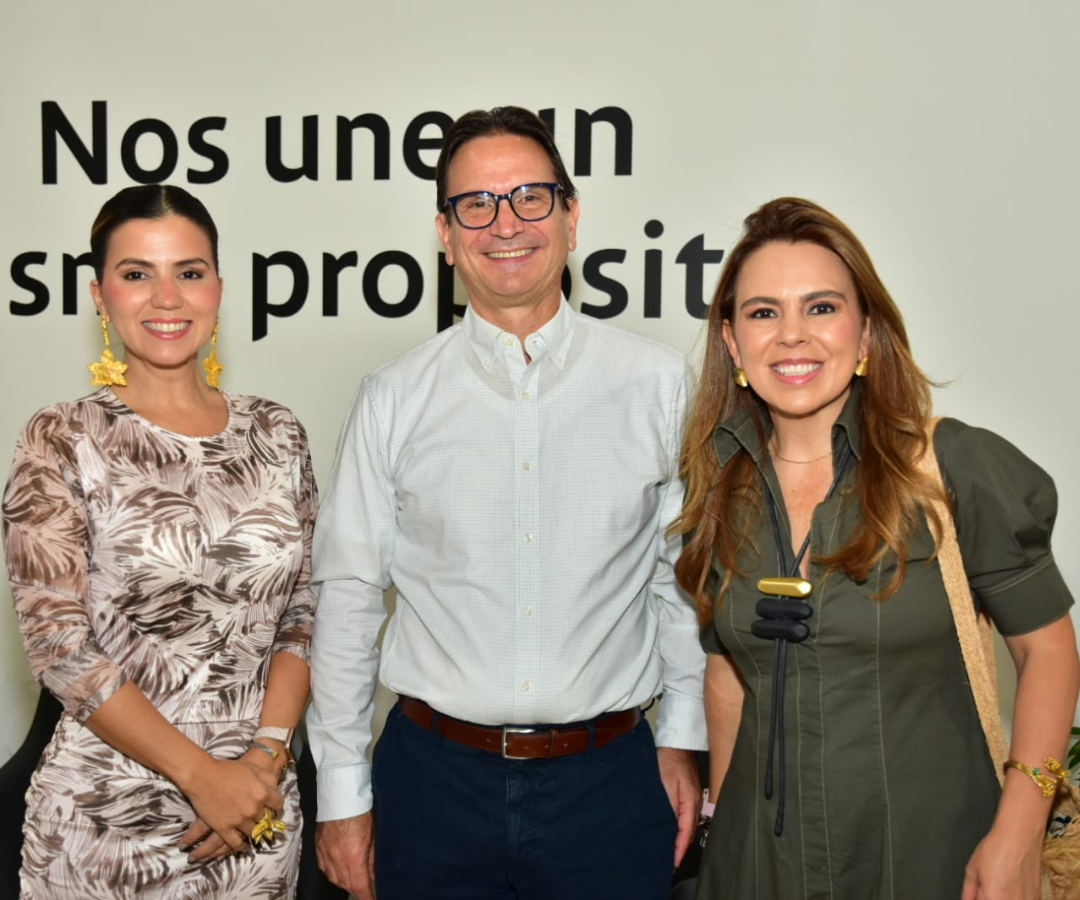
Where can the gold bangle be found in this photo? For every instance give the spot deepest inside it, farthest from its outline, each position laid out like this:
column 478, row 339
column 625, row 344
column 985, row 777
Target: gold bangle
column 1047, row 784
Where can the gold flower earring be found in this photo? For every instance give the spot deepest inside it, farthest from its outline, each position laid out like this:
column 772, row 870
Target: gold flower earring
column 740, row 378
column 108, row 370
column 210, row 365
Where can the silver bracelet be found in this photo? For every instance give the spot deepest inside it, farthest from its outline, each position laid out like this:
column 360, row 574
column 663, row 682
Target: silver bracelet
column 273, row 753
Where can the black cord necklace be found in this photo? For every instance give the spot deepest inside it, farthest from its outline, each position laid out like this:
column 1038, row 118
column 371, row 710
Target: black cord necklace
column 782, row 621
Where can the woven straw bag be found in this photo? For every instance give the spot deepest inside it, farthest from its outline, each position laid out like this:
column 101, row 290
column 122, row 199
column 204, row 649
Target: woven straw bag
column 1061, row 851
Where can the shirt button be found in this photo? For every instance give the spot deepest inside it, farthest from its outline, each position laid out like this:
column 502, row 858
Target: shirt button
column 528, row 537
column 509, row 342
column 526, row 686
column 559, row 360
column 525, row 395
column 526, row 466
column 528, row 610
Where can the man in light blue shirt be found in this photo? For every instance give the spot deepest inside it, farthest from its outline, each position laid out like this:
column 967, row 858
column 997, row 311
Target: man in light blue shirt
column 514, row 478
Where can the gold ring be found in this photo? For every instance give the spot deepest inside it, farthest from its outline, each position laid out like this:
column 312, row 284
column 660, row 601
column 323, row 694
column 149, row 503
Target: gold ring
column 266, row 826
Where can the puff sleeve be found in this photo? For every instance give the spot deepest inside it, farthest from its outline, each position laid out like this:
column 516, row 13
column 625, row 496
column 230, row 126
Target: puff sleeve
column 1004, row 506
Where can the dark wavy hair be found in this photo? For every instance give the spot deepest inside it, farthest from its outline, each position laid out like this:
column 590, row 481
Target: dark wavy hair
column 147, row 201
column 894, row 409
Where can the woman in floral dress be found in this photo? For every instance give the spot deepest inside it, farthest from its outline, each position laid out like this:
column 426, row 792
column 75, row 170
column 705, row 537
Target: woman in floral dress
column 157, row 536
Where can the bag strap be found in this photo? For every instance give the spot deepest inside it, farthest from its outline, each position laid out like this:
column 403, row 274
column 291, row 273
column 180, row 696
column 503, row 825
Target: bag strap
column 973, row 630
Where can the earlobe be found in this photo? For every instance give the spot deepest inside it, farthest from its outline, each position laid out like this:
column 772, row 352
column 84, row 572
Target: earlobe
column 95, row 295
column 571, row 223
column 729, row 340
column 442, row 228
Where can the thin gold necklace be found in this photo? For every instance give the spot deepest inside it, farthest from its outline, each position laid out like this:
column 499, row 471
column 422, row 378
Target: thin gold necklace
column 797, row 462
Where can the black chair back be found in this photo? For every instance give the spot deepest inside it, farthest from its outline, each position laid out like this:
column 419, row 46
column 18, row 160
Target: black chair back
column 14, row 780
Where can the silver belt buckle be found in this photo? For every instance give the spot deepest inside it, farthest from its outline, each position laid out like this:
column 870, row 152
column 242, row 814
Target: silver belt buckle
column 507, row 729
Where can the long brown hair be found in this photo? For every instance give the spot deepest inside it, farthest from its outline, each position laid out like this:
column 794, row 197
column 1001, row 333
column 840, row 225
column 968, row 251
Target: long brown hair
column 722, row 502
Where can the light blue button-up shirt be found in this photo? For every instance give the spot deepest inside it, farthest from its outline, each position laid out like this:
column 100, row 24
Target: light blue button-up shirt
column 520, row 509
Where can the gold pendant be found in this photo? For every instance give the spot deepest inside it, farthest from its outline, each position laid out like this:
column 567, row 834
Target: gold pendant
column 785, row 587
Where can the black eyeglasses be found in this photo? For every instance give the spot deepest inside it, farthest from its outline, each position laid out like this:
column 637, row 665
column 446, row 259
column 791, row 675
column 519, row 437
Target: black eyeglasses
column 530, row 203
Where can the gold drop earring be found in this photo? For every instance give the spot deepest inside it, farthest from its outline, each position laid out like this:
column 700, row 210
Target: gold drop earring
column 862, row 367
column 108, row 370
column 210, row 365
column 740, row 378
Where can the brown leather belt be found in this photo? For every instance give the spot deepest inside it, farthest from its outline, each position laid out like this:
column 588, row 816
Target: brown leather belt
column 514, row 742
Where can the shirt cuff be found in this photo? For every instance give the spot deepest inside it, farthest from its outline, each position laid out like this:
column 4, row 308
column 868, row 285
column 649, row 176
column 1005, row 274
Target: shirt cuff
column 1026, row 603
column 344, row 792
column 296, row 648
column 680, row 722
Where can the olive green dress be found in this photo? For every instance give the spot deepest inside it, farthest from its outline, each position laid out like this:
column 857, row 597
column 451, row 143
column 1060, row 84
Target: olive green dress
column 889, row 784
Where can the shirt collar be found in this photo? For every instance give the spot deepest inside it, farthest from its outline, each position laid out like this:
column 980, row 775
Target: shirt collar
column 741, row 430
column 550, row 341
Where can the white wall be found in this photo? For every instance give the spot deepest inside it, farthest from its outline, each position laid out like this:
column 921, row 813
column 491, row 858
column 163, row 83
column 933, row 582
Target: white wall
column 944, row 134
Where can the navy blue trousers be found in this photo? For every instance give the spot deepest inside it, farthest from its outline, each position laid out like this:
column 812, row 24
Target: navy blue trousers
column 455, row 822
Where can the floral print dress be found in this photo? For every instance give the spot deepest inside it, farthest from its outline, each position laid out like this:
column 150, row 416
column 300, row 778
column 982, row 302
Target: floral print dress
column 180, row 564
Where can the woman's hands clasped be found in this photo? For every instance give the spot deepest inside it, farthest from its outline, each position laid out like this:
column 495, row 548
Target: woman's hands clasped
column 229, row 797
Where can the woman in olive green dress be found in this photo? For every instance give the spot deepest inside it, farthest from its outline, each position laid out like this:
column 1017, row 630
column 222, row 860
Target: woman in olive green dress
column 848, row 758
